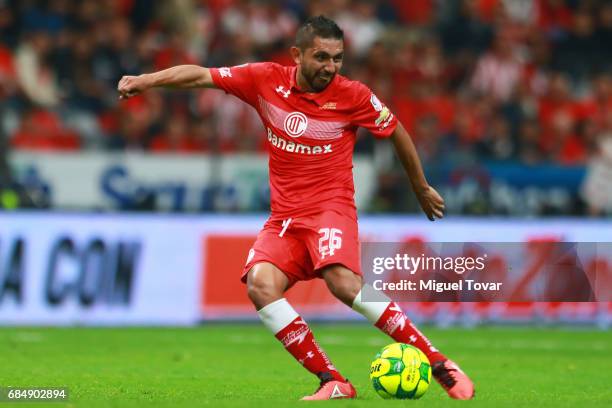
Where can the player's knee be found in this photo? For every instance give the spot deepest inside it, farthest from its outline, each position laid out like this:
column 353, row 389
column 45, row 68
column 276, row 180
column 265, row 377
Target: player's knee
column 261, row 290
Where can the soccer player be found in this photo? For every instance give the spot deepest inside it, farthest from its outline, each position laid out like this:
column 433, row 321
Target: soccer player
column 311, row 114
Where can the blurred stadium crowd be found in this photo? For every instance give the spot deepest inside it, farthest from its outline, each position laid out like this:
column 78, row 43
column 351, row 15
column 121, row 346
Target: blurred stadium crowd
column 526, row 80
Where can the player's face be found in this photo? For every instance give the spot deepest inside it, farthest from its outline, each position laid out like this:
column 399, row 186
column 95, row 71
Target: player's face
column 319, row 63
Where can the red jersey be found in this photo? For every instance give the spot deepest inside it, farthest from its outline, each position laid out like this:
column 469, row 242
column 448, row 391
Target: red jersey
column 310, row 135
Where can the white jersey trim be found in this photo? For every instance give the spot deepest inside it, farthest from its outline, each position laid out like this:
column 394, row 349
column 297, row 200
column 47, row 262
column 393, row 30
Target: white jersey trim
column 316, row 129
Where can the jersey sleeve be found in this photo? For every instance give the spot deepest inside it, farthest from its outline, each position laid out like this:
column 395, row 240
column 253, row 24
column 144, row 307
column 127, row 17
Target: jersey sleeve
column 372, row 114
column 240, row 81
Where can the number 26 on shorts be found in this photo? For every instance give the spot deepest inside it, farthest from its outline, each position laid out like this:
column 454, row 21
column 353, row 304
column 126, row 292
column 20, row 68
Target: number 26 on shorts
column 330, row 240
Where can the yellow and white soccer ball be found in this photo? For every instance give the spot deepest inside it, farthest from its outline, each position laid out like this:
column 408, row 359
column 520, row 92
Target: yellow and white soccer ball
column 400, row 371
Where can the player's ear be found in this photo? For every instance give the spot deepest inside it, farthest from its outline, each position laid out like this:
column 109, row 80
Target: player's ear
column 296, row 54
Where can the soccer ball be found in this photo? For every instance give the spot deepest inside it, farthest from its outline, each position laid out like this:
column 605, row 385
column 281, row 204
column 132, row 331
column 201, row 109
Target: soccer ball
column 400, row 371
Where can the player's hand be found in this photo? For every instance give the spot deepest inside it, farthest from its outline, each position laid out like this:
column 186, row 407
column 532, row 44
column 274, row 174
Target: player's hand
column 132, row 85
column 431, row 203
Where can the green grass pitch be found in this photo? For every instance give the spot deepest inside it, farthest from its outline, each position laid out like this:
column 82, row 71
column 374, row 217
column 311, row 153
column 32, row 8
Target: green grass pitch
column 244, row 366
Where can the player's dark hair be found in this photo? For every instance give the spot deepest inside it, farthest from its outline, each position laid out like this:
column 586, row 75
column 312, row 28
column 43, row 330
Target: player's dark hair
column 319, row 26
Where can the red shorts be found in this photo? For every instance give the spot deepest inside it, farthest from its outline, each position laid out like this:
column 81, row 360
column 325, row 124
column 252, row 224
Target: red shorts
column 301, row 246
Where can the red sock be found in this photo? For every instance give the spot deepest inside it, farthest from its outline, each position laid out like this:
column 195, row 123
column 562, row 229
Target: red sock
column 299, row 341
column 395, row 323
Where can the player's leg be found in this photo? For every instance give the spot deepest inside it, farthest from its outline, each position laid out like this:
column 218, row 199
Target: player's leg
column 334, row 247
column 266, row 285
column 345, row 285
column 388, row 317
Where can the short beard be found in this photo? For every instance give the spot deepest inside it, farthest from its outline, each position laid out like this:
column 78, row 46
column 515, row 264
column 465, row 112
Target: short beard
column 311, row 81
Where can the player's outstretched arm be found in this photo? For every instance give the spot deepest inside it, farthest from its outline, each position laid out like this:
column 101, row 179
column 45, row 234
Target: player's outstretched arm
column 181, row 76
column 431, row 202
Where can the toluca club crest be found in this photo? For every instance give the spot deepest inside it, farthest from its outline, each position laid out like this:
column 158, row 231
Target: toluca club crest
column 295, row 124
